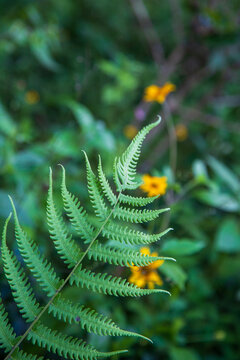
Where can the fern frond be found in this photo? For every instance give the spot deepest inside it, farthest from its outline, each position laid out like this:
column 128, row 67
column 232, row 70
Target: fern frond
column 66, row 346
column 115, row 175
column 76, row 213
column 89, row 319
column 122, row 257
column 7, row 334
column 19, row 284
column 126, row 235
column 127, row 163
column 108, row 284
column 106, row 188
column 39, row 266
column 20, row 355
column 95, row 194
column 127, row 199
column 136, row 201
column 67, row 248
column 136, row 216
column 109, row 207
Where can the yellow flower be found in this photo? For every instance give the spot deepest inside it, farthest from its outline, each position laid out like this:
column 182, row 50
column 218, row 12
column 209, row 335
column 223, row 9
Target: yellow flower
column 130, row 131
column 157, row 93
column 154, row 185
column 146, row 275
column 32, row 97
column 181, row 132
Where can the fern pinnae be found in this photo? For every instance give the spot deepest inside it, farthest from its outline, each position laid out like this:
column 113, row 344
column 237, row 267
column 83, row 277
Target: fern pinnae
column 18, row 282
column 76, row 213
column 39, row 266
column 137, row 216
column 89, row 319
column 122, row 257
column 7, row 334
column 106, row 188
column 66, row 346
column 126, row 235
column 99, row 192
column 8, row 337
column 95, row 194
column 67, row 248
column 65, row 309
column 108, row 284
column 136, row 201
column 127, row 163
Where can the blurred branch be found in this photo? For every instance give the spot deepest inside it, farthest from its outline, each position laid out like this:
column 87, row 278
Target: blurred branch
column 188, row 115
column 177, row 22
column 148, row 29
column 172, row 138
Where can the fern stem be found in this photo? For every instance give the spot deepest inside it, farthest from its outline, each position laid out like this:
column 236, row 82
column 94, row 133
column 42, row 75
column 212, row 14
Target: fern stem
column 64, row 283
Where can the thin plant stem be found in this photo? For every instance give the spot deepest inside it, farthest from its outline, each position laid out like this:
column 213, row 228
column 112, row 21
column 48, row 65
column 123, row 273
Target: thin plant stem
column 172, row 139
column 172, row 158
column 64, row 283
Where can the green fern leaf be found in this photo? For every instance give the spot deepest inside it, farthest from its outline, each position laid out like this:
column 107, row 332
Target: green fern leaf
column 8, row 337
column 136, row 201
column 39, row 266
column 76, row 213
column 127, row 163
column 106, row 188
column 95, row 193
column 89, row 319
column 137, row 216
column 66, row 346
column 122, row 257
column 107, row 208
column 20, row 355
column 67, row 248
column 108, row 284
column 18, row 282
column 126, row 235
column 127, row 199
column 7, row 334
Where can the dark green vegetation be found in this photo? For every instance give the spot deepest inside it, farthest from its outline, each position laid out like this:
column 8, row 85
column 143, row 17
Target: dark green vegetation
column 72, row 77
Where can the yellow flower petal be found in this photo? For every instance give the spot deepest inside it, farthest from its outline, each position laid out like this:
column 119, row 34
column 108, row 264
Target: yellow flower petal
column 154, row 185
column 141, row 282
column 151, row 93
column 157, row 93
column 154, row 277
column 145, row 251
column 151, row 285
column 156, row 264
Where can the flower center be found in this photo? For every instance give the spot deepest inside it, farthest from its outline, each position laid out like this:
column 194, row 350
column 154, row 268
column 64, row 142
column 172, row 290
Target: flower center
column 144, row 270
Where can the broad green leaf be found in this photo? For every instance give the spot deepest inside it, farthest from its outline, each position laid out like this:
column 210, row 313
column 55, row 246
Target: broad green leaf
column 219, row 200
column 175, row 273
column 41, row 49
column 225, row 174
column 7, row 124
column 177, row 353
column 228, row 237
column 200, row 170
column 182, row 247
column 98, row 136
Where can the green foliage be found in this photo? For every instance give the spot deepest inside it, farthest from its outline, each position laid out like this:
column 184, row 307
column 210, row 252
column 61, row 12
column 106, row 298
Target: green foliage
column 89, row 63
column 72, row 254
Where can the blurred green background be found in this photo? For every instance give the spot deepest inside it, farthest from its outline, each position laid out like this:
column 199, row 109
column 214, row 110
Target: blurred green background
column 72, row 77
